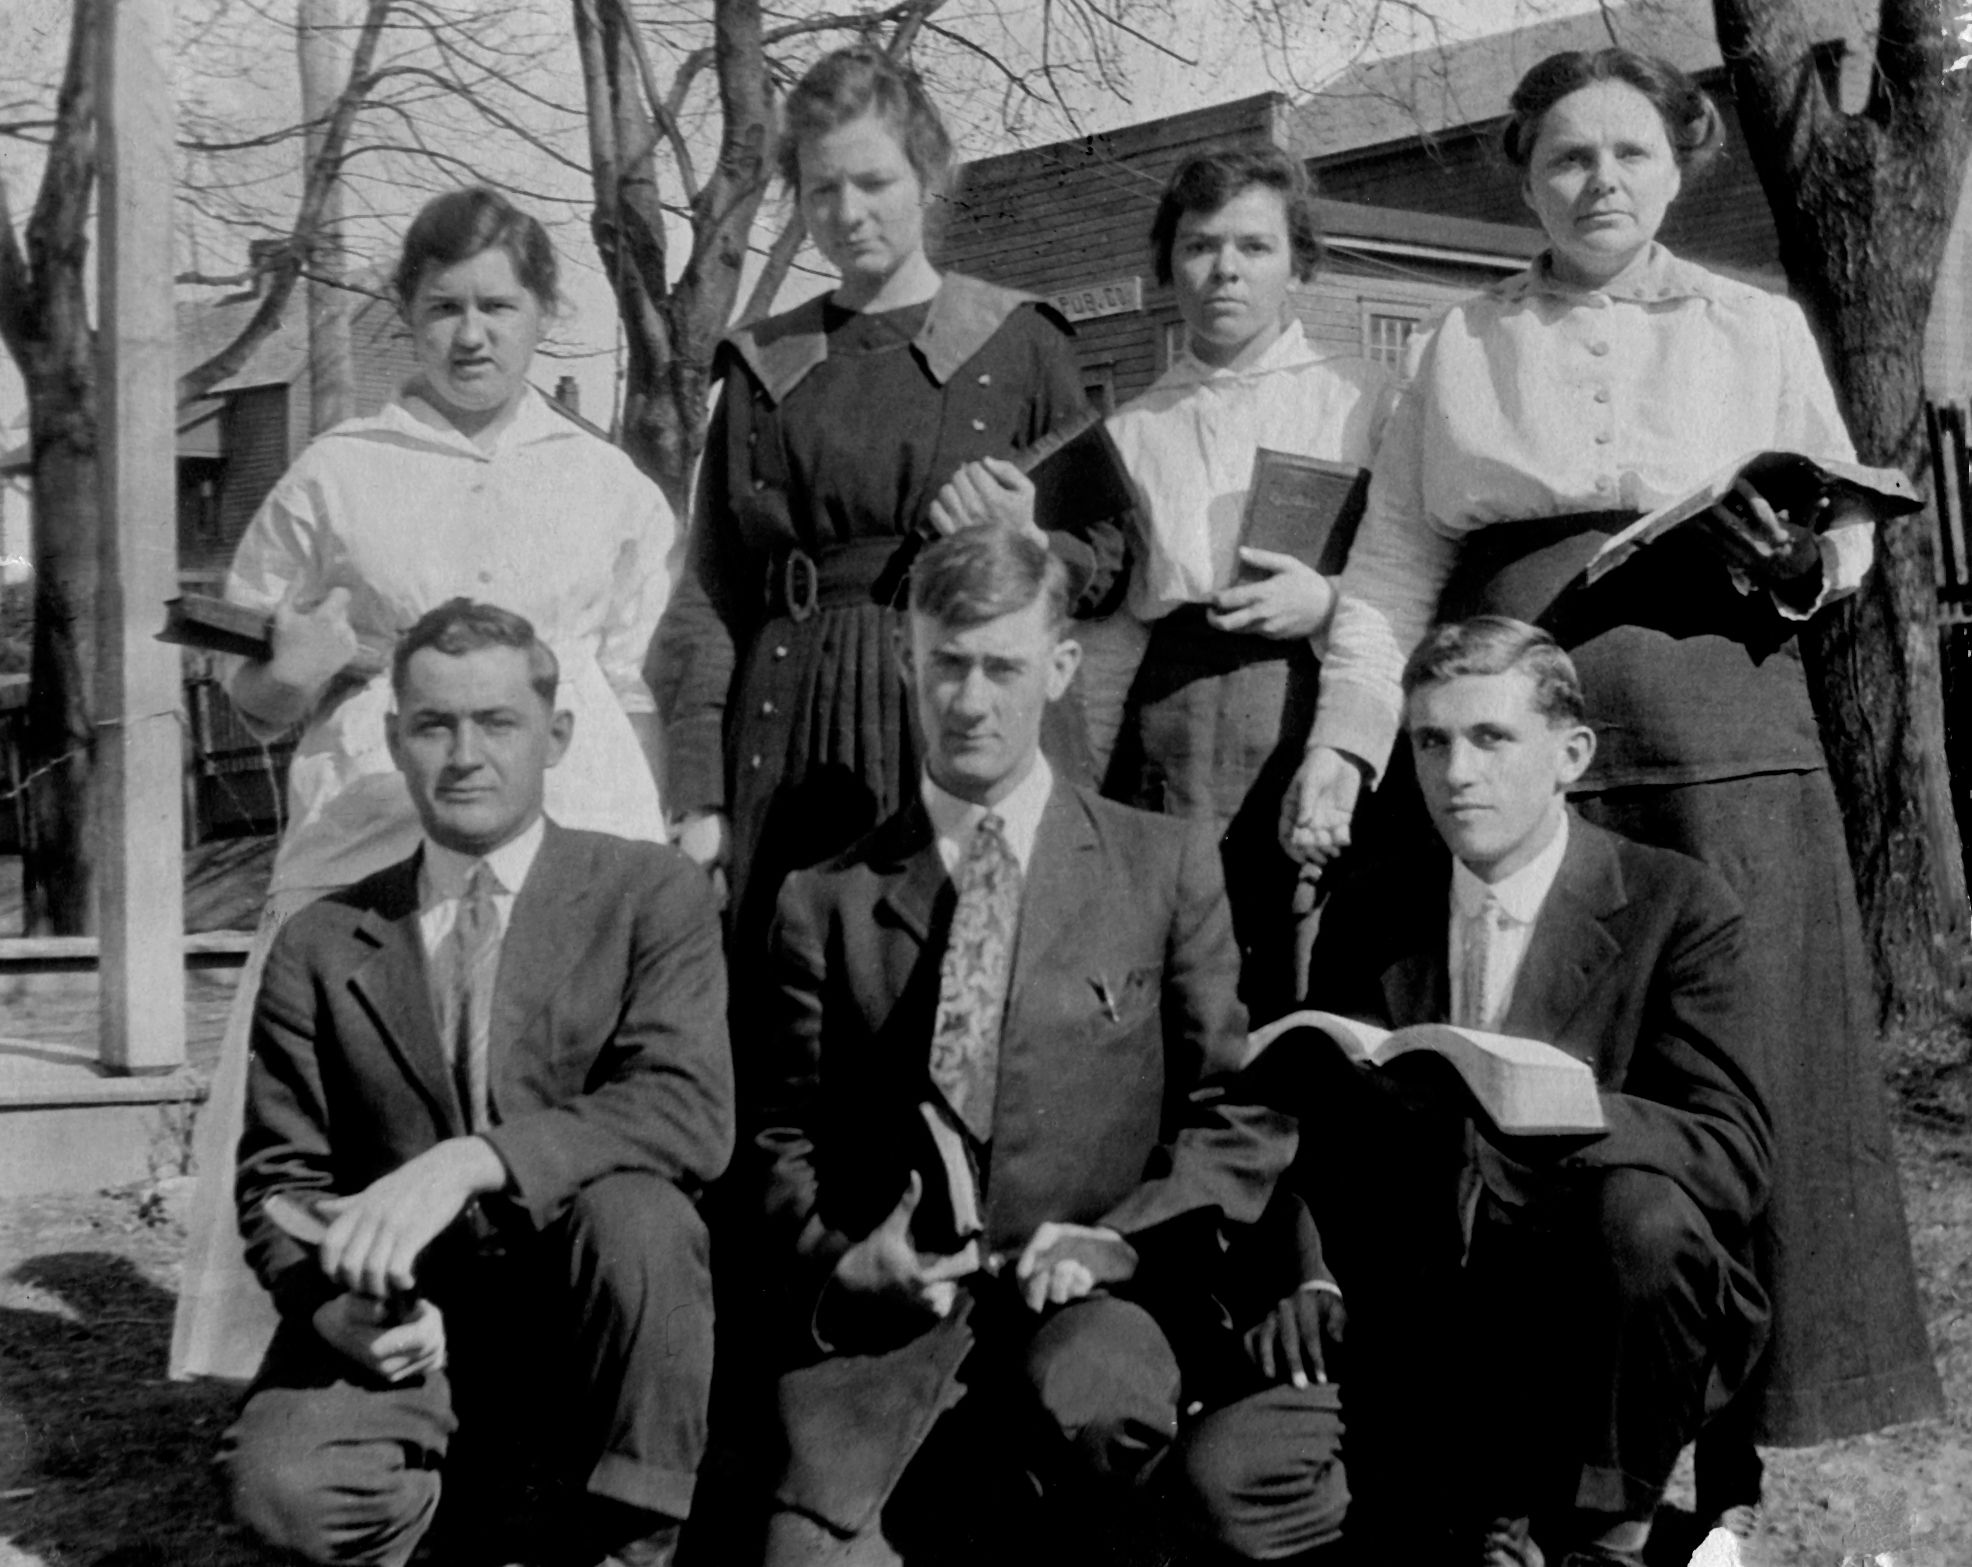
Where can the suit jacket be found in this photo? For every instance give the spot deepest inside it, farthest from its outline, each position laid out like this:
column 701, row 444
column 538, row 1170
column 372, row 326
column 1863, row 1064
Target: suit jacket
column 1635, row 965
column 1122, row 1036
column 608, row 1048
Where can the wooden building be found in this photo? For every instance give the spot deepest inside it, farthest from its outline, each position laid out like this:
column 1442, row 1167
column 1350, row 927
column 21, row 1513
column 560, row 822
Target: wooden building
column 1071, row 222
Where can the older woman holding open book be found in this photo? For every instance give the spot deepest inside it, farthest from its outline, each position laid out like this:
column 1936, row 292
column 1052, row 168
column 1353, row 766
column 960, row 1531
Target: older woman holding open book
column 1537, row 419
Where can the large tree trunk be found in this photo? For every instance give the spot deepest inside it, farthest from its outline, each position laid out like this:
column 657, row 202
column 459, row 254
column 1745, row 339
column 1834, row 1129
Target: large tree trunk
column 331, row 365
column 1863, row 204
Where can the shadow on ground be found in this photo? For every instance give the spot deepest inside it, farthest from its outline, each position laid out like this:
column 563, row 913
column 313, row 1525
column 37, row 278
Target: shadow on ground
column 104, row 1463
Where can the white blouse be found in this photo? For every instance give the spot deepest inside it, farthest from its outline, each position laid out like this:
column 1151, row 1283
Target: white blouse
column 1188, row 444
column 1538, row 400
column 551, row 523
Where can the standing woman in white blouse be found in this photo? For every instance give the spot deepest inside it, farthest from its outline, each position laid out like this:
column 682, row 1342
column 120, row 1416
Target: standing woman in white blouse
column 1217, row 637
column 468, row 484
column 1536, row 419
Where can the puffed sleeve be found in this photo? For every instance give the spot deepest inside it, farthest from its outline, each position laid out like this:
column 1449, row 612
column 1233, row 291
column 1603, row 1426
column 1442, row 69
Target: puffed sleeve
column 639, row 589
column 282, row 551
column 1088, row 513
column 1397, row 567
column 709, row 617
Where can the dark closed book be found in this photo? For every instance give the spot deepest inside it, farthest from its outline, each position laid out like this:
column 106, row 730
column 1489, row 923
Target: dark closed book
column 1305, row 507
column 217, row 626
column 201, row 621
column 1077, row 476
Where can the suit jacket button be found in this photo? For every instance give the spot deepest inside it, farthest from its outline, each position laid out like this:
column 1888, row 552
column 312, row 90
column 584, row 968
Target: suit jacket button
column 767, row 708
column 979, row 424
column 780, row 650
column 754, row 761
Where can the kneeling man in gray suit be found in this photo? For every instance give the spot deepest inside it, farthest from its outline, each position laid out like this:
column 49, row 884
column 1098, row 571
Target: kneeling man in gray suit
column 498, row 1072
column 1005, row 1143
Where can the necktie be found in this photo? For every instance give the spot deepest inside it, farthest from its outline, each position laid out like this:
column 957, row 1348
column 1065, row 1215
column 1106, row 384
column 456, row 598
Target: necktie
column 972, row 980
column 474, row 965
column 1475, row 981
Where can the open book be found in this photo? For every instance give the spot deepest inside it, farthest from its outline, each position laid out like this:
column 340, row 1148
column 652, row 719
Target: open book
column 1523, row 1085
column 1304, row 507
column 1790, row 482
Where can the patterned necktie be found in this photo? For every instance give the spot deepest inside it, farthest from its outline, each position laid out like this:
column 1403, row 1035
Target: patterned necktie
column 472, row 966
column 972, row 980
column 1475, row 980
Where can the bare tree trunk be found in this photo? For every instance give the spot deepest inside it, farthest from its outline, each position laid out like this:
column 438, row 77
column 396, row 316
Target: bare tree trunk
column 320, row 25
column 44, row 318
column 1863, row 204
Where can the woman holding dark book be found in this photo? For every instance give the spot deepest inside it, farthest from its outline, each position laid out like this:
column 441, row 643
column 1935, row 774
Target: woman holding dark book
column 468, row 483
column 787, row 723
column 1214, row 651
column 1537, row 418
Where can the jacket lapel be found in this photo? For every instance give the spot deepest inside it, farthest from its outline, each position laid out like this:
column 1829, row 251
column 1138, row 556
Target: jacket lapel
column 1417, row 987
column 911, row 873
column 1060, row 881
column 392, row 983
column 1571, row 945
column 547, row 936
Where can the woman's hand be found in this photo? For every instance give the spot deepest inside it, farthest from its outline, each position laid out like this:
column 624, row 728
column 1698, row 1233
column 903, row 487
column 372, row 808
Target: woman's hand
column 1320, row 804
column 312, row 646
column 991, row 490
column 1292, row 600
column 1762, row 542
column 705, row 838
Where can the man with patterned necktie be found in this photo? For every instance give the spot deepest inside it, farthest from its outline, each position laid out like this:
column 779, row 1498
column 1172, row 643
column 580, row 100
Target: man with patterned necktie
column 1540, row 1323
column 1004, row 1135
column 497, row 1075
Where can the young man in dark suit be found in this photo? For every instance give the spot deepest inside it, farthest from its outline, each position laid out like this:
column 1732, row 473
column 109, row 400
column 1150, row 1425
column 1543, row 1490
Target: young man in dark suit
column 499, row 1072
column 1004, row 1136
column 1560, row 1313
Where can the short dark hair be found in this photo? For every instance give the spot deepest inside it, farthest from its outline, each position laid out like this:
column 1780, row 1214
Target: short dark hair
column 979, row 574
column 850, row 83
column 459, row 225
column 461, row 625
column 1691, row 120
column 1210, row 180
column 1495, row 645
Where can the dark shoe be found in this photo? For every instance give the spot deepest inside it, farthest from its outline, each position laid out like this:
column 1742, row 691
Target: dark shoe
column 1602, row 1556
column 1507, row 1542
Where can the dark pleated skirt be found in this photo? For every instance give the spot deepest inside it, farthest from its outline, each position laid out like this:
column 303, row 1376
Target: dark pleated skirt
column 1214, row 729
column 1848, row 1352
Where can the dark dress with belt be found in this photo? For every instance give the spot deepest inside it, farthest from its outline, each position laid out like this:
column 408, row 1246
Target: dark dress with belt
column 776, row 666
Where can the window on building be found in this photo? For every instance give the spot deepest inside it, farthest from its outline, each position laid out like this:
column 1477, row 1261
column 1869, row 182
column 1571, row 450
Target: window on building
column 1386, row 329
column 1099, row 387
column 1174, row 342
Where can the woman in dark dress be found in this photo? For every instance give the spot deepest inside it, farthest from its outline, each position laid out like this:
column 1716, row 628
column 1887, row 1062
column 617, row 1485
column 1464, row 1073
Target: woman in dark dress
column 787, row 724
column 1536, row 419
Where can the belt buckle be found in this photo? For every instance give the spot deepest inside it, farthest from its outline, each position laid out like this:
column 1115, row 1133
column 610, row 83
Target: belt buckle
column 801, row 584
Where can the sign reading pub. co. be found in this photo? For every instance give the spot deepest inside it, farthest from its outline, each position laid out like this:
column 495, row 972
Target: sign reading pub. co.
column 1115, row 297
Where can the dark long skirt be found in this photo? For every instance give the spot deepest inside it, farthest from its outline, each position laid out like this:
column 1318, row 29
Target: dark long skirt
column 1214, row 729
column 1848, row 1351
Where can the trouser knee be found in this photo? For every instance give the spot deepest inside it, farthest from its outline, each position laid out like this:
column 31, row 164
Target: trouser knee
column 1652, row 1234
column 1106, row 1378
column 366, row 1502
column 1261, row 1479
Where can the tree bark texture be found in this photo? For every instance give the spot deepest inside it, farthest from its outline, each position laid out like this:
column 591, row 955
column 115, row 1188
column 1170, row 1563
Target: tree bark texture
column 1863, row 204
column 319, row 34
column 44, row 318
column 671, row 330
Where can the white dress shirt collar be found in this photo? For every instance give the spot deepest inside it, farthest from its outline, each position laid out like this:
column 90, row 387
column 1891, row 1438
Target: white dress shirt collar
column 1520, row 895
column 953, row 820
column 443, row 872
column 1291, row 348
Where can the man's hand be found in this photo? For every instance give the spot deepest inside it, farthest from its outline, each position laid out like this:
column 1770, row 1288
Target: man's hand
column 366, row 1331
column 991, row 490
column 1762, row 542
column 375, row 1237
column 1064, row 1262
column 1300, row 1340
column 706, row 840
column 1319, row 806
column 887, row 1264
column 1292, row 600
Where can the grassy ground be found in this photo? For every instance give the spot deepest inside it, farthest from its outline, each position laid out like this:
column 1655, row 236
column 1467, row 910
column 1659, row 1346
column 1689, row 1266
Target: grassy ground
column 103, row 1463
